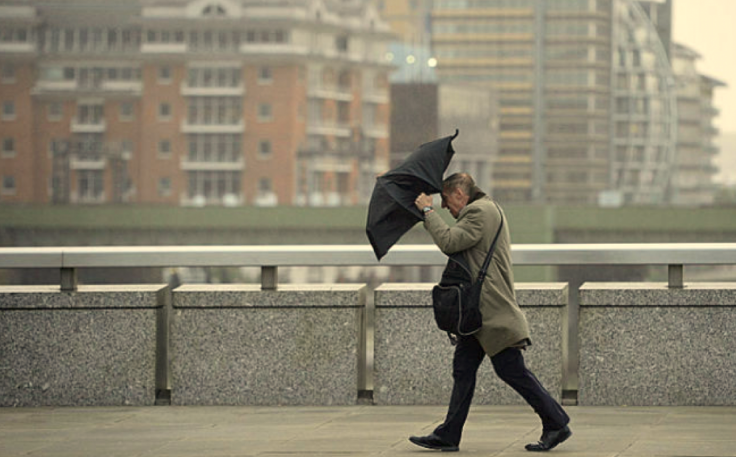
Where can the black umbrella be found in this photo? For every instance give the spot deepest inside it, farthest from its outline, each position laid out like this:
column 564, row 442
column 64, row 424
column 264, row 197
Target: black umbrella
column 392, row 212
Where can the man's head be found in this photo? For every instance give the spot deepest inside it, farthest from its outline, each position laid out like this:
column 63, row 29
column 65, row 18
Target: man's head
column 456, row 191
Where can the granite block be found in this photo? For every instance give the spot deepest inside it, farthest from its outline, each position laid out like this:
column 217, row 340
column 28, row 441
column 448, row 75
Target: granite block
column 647, row 345
column 251, row 296
column 93, row 347
column 299, row 345
column 413, row 358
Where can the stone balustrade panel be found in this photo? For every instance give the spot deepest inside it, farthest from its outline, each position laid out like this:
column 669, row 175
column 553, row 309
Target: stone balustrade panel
column 644, row 344
column 240, row 345
column 93, row 347
column 413, row 358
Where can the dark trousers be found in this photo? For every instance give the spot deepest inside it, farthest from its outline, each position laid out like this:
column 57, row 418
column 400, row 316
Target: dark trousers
column 509, row 366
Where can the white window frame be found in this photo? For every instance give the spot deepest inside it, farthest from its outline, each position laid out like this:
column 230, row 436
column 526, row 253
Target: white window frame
column 161, row 115
column 264, row 179
column 12, row 78
column 160, row 152
column 50, row 115
column 164, row 191
column 267, row 78
column 161, row 78
column 7, row 153
column 265, row 154
column 8, row 116
column 265, row 117
column 122, row 116
column 8, row 190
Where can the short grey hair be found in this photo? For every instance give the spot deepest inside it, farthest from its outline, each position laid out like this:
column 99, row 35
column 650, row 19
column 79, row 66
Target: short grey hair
column 462, row 181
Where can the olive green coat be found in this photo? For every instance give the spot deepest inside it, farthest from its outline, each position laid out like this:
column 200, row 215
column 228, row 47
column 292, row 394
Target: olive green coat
column 504, row 324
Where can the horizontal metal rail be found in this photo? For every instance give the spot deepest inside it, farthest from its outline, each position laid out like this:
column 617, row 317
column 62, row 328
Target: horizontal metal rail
column 271, row 257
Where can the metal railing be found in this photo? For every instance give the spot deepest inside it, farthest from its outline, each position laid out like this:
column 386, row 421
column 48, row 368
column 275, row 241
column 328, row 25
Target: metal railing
column 270, row 258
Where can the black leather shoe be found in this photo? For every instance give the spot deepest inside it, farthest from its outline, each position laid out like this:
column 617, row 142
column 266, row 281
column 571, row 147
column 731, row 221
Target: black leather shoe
column 550, row 439
column 433, row 441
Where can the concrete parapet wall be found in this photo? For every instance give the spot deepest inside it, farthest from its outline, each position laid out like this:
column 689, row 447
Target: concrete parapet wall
column 643, row 344
column 413, row 358
column 93, row 347
column 239, row 345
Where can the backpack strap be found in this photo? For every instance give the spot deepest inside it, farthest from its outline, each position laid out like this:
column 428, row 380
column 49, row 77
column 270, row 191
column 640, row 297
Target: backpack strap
column 487, row 262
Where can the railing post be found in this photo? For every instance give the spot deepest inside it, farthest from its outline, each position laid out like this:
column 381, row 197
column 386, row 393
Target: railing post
column 68, row 279
column 675, row 276
column 269, row 278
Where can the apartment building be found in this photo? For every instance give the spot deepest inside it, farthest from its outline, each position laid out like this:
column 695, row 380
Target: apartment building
column 193, row 102
column 692, row 183
column 587, row 102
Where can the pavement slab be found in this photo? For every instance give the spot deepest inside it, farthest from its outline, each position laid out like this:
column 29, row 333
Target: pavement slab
column 356, row 431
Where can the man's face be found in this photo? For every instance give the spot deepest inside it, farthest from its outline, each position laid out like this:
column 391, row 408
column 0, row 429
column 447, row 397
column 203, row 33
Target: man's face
column 454, row 200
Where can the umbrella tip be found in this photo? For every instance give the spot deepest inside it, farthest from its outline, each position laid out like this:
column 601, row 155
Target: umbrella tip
column 457, row 132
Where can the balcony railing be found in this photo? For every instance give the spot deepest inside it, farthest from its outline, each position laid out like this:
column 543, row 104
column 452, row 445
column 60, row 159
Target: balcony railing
column 213, row 165
column 88, row 126
column 186, row 127
column 222, row 91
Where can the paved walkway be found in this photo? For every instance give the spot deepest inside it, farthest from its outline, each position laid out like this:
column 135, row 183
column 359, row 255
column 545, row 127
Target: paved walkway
column 167, row 431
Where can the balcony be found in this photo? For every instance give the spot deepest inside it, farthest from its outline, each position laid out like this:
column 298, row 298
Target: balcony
column 190, row 165
column 189, row 91
column 88, row 126
column 87, row 162
column 55, row 86
column 163, row 48
column 131, row 87
column 265, row 49
column 17, row 48
column 326, row 128
column 343, row 94
column 376, row 131
column 186, row 127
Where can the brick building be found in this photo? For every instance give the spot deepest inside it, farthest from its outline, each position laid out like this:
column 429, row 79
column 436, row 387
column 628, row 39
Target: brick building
column 201, row 102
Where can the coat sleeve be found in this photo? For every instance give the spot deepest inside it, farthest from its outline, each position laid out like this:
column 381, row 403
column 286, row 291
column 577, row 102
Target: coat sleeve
column 462, row 236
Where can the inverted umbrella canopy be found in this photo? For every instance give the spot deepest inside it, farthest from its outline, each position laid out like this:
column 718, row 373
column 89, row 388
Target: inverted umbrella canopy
column 391, row 212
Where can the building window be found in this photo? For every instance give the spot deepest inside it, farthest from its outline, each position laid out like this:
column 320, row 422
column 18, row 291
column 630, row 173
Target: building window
column 8, row 185
column 164, row 75
column 164, row 187
column 8, row 111
column 264, row 149
column 264, row 186
column 8, row 73
column 126, row 111
column 90, row 185
column 265, row 76
column 265, row 112
column 164, row 112
column 8, row 147
column 54, row 111
column 341, row 43
column 164, row 148
column 126, row 148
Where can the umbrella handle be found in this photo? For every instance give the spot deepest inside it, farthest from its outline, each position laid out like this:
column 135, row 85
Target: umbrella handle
column 457, row 132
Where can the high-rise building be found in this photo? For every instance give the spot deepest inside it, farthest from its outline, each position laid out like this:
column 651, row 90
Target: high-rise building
column 192, row 102
column 586, row 94
column 692, row 181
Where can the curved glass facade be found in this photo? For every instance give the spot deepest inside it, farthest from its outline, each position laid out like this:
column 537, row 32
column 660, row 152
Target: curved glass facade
column 645, row 108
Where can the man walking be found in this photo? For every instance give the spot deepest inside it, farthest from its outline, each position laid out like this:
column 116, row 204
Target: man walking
column 505, row 332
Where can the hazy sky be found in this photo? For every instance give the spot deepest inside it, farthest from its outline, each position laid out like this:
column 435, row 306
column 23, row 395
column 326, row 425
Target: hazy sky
column 709, row 27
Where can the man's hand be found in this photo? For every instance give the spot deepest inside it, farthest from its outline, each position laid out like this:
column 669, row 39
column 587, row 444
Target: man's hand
column 423, row 200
